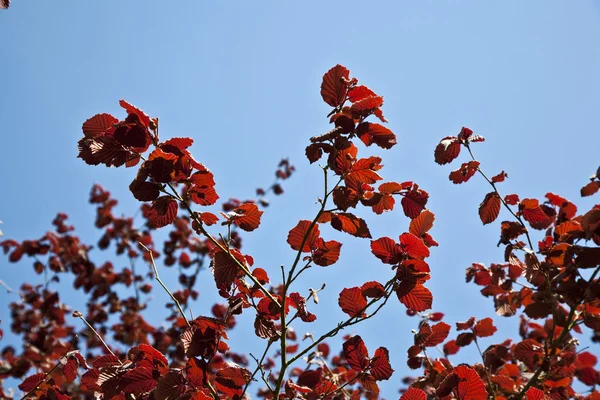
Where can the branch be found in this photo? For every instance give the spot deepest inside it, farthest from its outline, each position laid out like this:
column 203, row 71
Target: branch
column 258, row 366
column 163, row 285
column 350, row 321
column 203, row 230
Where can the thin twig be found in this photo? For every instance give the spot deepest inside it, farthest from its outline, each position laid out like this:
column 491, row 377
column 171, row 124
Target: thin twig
column 259, row 366
column 79, row 315
column 164, row 286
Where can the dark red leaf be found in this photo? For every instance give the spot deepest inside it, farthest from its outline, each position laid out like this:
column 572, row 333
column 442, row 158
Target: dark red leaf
column 352, row 302
column 143, row 118
column 232, row 379
column 366, row 106
column 225, row 269
column 380, row 365
column 414, row 394
column 32, row 381
column 464, row 173
column 359, row 92
column 326, row 253
column 163, row 211
column 470, row 385
column 413, row 246
column 415, row 297
column 351, row 224
column 373, row 289
column 422, row 223
column 356, row 353
column 484, row 328
column 139, row 381
column 489, row 208
column 414, row 202
column 387, row 250
column 439, row 333
column 590, row 188
column 301, row 230
column 447, row 150
column 500, row 177
column 103, row 150
column 335, row 87
column 98, row 124
column 378, row 134
column 247, row 216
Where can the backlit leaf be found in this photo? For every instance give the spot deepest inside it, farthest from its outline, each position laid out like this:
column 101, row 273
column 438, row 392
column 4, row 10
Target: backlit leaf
column 489, row 208
column 447, row 150
column 163, row 211
column 326, row 252
column 335, row 87
column 415, row 297
column 356, row 353
column 351, row 224
column 372, row 133
column 144, row 119
column 413, row 246
column 98, row 124
column 470, row 385
column 301, row 230
column 247, row 216
column 484, row 328
column 387, row 250
column 380, row 365
column 414, row 202
column 422, row 223
column 414, row 394
column 352, row 302
column 464, row 173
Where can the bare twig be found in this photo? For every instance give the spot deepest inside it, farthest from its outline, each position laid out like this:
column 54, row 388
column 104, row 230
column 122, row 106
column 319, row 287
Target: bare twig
column 79, row 315
column 164, row 286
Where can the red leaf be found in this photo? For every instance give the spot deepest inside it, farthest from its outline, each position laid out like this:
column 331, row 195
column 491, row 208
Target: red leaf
column 422, row 223
column 387, row 250
column 413, row 246
column 366, row 106
column 530, row 352
column 489, row 208
column 172, row 386
column 326, row 253
column 98, row 124
column 70, row 369
column 535, row 394
column 414, row 202
column 500, row 177
column 363, row 172
column 351, row 224
column 163, row 211
column 232, row 379
column 511, row 199
column 451, row 348
column 32, row 381
column 447, row 150
column 356, row 353
column 414, row 394
column 301, row 230
column 352, row 302
column 144, row 191
column 138, row 381
column 464, row 173
column 335, row 87
column 209, row 218
column 371, row 133
column 415, row 297
column 439, row 333
column 380, row 365
column 359, row 92
column 590, row 188
column 227, row 270
column 470, row 385
column 203, row 337
column 533, row 213
column 484, row 328
column 144, row 119
column 181, row 143
column 373, row 289
column 247, row 216
column 203, row 195
column 103, row 150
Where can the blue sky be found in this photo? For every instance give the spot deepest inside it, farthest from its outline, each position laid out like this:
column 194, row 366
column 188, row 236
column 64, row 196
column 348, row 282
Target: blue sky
column 243, row 80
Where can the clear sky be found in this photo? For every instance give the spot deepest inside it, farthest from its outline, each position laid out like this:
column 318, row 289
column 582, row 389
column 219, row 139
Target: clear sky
column 243, row 79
